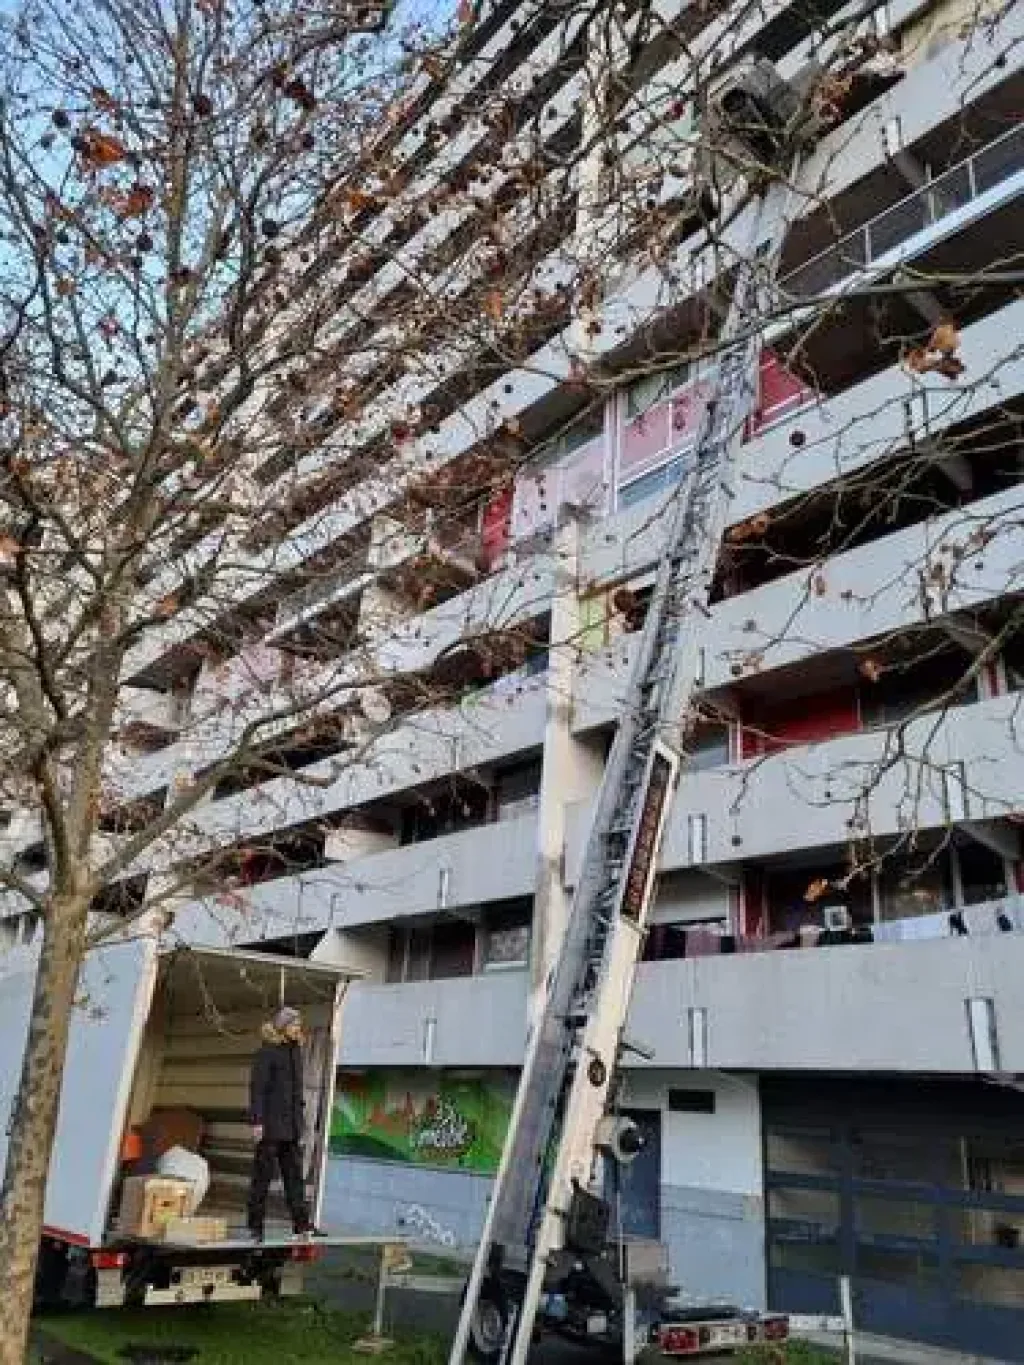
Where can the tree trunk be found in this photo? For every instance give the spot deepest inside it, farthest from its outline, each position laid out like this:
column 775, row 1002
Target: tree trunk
column 34, row 1119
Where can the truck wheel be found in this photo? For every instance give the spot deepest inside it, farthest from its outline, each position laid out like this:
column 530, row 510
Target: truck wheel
column 489, row 1325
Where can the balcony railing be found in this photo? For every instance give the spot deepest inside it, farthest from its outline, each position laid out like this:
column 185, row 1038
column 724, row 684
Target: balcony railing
column 331, row 589
column 874, row 241
column 1005, row 915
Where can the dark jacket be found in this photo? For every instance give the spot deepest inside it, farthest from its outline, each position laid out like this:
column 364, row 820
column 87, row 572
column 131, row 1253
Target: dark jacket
column 276, row 1102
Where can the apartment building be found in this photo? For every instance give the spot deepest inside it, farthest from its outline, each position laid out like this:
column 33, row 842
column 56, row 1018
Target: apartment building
column 830, row 986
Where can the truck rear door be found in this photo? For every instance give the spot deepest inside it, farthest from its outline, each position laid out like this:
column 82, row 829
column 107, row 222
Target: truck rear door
column 115, row 992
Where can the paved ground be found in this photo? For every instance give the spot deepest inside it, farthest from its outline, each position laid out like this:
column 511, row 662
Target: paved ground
column 348, row 1283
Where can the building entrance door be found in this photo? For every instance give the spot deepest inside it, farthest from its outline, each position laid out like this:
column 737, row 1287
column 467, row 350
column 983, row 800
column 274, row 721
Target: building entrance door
column 638, row 1204
column 915, row 1191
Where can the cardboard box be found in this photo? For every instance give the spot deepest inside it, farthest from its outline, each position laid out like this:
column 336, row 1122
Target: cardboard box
column 149, row 1202
column 196, row 1231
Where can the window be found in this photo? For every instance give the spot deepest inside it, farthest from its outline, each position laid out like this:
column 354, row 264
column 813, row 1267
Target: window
column 809, row 719
column 982, row 874
column 1013, row 661
column 431, row 952
column 918, row 686
column 707, row 747
column 890, row 1156
column 917, row 1268
column 992, row 1165
column 799, row 896
column 462, row 806
column 518, row 789
column 569, row 470
column 801, row 1151
column 642, row 395
column 506, row 938
column 883, row 1216
column 417, row 960
column 990, row 1284
column 814, row 1213
column 907, row 889
column 661, row 415
column 657, row 481
column 584, row 430
column 453, row 949
column 691, row 1101
column 805, row 1258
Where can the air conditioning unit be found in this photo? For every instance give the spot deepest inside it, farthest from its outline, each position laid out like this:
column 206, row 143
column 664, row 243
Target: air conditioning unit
column 837, row 918
column 754, row 114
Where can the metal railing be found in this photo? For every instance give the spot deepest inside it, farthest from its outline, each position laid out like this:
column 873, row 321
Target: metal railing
column 924, row 208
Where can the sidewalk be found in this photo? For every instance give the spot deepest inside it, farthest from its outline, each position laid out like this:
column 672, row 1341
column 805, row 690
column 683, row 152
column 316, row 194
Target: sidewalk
column 893, row 1351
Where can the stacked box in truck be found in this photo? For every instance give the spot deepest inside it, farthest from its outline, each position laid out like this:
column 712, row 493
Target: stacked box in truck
column 154, row 1031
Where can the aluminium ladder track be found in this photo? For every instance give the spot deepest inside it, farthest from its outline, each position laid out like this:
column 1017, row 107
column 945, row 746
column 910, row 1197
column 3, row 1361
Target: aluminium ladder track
column 577, row 1040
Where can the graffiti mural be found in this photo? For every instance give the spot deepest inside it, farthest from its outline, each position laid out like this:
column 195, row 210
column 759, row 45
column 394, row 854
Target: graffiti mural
column 424, row 1119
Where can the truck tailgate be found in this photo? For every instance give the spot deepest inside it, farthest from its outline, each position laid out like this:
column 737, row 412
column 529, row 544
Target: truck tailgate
column 270, row 1243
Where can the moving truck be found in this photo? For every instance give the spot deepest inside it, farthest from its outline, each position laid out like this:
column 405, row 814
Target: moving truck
column 160, row 1030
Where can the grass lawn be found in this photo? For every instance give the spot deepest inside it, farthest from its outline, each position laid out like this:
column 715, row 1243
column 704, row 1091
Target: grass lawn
column 786, row 1353
column 271, row 1333
column 448, row 1267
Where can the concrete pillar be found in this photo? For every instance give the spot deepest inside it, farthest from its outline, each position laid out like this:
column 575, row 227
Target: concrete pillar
column 572, row 767
column 364, row 954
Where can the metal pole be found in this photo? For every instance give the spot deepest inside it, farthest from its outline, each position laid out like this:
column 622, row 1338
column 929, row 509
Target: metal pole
column 846, row 1303
column 375, row 1343
column 382, row 1284
column 629, row 1326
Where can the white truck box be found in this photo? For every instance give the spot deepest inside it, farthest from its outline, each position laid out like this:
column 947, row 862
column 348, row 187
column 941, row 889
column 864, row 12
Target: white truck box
column 154, row 1029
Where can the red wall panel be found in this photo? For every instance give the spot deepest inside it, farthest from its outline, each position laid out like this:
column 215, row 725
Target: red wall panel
column 806, row 721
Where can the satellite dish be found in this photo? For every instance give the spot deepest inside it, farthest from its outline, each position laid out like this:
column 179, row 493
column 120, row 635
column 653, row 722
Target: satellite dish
column 374, row 705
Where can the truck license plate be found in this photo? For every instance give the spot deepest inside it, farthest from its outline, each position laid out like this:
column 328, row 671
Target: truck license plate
column 728, row 1334
column 200, row 1276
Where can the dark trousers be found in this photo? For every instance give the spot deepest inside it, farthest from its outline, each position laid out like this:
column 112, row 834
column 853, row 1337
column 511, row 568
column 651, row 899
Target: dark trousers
column 270, row 1157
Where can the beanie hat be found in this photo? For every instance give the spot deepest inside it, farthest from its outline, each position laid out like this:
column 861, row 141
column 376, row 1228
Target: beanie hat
column 284, row 1017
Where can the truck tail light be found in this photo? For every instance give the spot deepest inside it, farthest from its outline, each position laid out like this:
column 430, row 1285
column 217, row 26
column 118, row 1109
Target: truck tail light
column 776, row 1329
column 679, row 1340
column 306, row 1253
column 108, row 1260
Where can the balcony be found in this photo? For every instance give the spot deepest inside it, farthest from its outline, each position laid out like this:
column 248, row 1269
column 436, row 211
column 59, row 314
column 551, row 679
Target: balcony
column 973, row 188
column 935, row 769
column 870, row 590
column 144, row 714
column 892, row 1006
column 475, row 867
column 459, row 1022
column 828, row 440
column 331, row 590
column 930, row 771
column 884, row 1007
column 491, row 725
